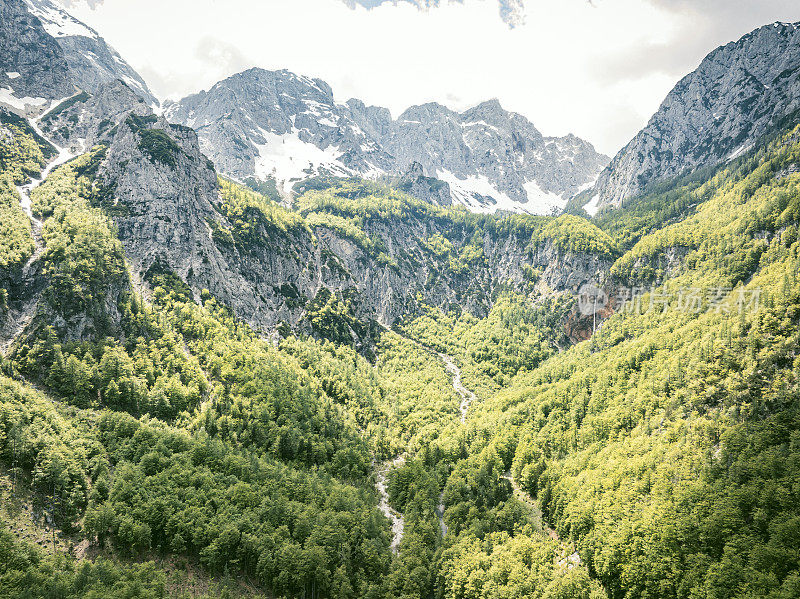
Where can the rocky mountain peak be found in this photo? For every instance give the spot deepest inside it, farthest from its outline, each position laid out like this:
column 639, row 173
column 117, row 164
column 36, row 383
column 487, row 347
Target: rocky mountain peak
column 33, row 69
column 92, row 62
column 47, row 54
column 288, row 127
column 739, row 92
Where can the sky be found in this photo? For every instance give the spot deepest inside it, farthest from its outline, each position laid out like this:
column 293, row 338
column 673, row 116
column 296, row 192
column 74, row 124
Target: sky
column 595, row 68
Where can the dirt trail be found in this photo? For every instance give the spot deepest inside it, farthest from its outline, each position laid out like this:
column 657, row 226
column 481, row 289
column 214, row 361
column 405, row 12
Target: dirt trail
column 569, row 557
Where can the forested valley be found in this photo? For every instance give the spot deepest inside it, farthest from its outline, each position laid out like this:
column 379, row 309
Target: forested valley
column 155, row 444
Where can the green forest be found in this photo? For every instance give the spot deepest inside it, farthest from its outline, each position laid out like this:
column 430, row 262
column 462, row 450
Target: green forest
column 171, row 450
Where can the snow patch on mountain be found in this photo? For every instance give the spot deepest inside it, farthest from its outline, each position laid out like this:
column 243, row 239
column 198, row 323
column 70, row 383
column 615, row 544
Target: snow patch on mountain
column 488, row 155
column 58, row 22
column 8, row 97
column 541, row 201
column 289, row 159
column 476, row 193
column 592, row 207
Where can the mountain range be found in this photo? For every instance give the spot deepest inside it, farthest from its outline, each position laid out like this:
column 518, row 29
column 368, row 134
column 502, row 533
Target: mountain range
column 276, row 129
column 253, row 344
column 284, row 127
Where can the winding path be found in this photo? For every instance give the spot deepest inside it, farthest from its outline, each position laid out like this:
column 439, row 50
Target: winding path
column 569, row 558
column 532, row 505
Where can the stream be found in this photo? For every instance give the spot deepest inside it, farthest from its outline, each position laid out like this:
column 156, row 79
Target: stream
column 381, row 470
column 19, row 318
column 63, row 156
column 467, row 396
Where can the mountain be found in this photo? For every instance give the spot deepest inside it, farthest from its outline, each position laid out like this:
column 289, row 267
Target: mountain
column 91, row 60
column 33, row 68
column 739, row 92
column 206, row 393
column 49, row 55
column 84, row 120
column 277, row 125
column 272, row 268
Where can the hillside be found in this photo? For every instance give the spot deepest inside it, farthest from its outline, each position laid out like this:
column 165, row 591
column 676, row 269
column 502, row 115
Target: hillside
column 205, row 392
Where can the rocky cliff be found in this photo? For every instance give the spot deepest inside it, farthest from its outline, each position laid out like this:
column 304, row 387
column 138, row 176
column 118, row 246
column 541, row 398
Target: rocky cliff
column 92, row 62
column 740, row 92
column 46, row 55
column 83, row 120
column 170, row 215
column 33, row 68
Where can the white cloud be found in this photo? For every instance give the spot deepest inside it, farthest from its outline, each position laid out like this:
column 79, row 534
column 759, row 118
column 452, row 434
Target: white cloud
column 571, row 66
column 511, row 11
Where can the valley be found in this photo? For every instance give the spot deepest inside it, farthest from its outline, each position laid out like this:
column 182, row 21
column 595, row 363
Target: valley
column 259, row 342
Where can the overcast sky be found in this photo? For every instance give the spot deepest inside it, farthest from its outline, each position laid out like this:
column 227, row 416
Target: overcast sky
column 595, row 68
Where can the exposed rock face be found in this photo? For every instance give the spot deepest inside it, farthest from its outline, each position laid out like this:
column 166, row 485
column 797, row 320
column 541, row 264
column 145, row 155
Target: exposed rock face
column 430, row 189
column 88, row 119
column 738, row 93
column 279, row 125
column 33, row 69
column 166, row 211
column 46, row 55
column 92, row 62
column 493, row 159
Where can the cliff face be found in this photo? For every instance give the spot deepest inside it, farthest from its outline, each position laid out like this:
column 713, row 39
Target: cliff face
column 156, row 183
column 33, row 69
column 170, row 216
column 91, row 61
column 85, row 119
column 46, row 55
column 738, row 93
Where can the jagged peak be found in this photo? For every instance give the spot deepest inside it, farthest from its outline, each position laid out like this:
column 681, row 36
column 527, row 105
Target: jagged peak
column 427, row 109
column 493, row 104
column 280, row 76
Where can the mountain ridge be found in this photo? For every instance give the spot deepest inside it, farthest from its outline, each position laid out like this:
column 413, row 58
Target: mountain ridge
column 500, row 163
column 69, row 55
column 738, row 93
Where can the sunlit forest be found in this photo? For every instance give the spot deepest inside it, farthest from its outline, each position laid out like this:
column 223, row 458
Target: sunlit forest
column 169, row 449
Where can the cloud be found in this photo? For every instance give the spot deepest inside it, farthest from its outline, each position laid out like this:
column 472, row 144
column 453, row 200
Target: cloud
column 511, row 11
column 221, row 55
column 597, row 70
column 92, row 4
